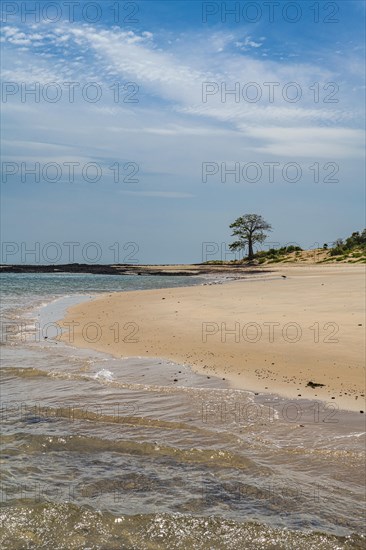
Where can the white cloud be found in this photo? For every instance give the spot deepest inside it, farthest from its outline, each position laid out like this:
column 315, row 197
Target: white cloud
column 173, row 80
column 334, row 143
column 248, row 43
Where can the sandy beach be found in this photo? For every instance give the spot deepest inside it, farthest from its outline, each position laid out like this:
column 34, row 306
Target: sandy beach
column 272, row 332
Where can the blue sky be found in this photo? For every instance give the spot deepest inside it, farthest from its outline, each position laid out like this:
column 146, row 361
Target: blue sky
column 162, row 55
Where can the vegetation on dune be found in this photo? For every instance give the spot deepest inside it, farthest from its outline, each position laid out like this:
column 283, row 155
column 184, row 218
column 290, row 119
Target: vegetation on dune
column 250, row 229
column 274, row 255
column 355, row 245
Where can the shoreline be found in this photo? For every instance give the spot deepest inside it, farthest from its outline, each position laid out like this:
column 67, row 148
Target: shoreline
column 174, row 270
column 272, row 405
column 187, row 325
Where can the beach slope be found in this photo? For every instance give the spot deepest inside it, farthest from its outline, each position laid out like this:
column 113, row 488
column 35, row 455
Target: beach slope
column 273, row 332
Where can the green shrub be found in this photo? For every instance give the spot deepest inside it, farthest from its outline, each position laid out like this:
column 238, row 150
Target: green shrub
column 292, row 248
column 356, row 240
column 274, row 253
column 337, row 250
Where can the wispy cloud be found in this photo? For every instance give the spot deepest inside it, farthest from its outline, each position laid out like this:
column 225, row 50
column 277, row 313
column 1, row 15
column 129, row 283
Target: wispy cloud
column 171, row 131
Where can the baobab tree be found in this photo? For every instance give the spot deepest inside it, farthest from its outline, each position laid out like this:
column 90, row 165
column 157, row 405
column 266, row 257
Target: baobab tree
column 249, row 229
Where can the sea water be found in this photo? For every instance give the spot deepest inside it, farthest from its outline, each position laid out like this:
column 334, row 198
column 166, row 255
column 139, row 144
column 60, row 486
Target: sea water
column 136, row 453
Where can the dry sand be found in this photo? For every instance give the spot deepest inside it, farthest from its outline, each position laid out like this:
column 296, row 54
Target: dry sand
column 271, row 347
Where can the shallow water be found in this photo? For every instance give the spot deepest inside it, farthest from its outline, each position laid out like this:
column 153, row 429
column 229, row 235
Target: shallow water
column 140, row 453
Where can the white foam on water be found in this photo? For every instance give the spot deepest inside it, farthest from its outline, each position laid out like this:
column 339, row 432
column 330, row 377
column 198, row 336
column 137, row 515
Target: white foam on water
column 104, row 374
column 355, row 434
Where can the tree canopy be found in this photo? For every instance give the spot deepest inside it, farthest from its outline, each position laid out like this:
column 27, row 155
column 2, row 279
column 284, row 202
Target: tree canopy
column 249, row 229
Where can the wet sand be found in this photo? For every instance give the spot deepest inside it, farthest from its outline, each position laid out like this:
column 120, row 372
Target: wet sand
column 273, row 332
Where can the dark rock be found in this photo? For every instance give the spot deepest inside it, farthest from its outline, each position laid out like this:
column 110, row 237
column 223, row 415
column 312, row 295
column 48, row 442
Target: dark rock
column 314, row 385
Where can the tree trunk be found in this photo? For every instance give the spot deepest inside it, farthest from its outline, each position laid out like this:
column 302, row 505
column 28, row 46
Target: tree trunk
column 250, row 249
